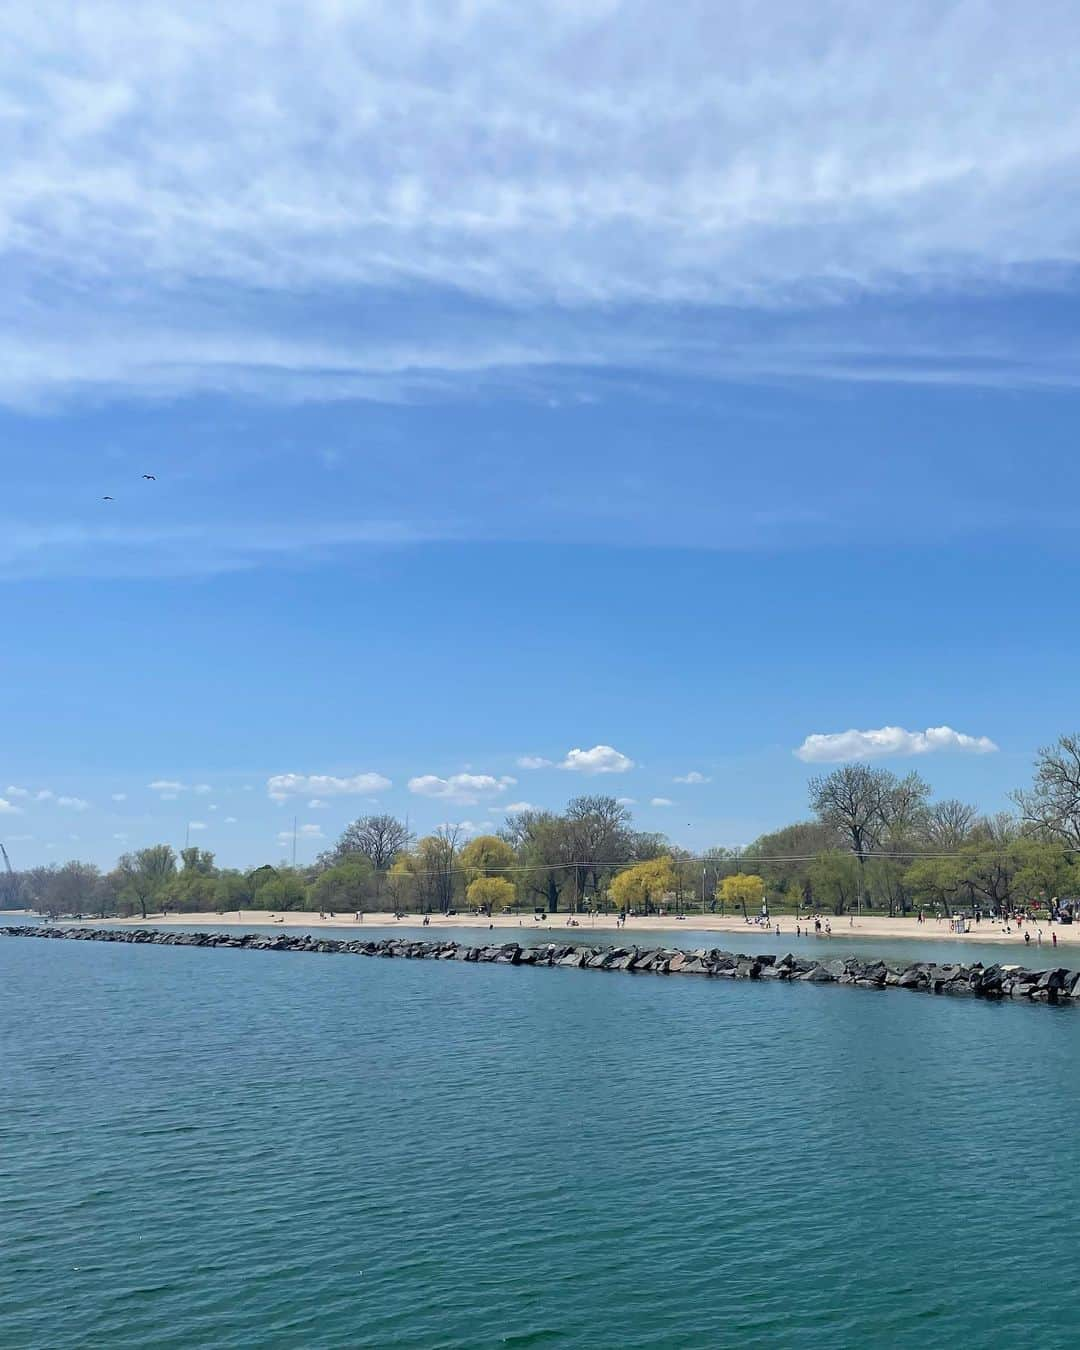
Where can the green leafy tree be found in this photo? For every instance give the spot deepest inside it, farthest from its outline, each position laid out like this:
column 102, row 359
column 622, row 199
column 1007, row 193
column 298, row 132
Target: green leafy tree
column 350, row 885
column 145, row 875
column 283, row 892
column 835, row 880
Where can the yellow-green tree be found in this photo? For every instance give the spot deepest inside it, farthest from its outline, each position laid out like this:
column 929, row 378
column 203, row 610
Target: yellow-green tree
column 401, row 882
column 486, row 856
column 744, row 889
column 491, row 894
column 643, row 884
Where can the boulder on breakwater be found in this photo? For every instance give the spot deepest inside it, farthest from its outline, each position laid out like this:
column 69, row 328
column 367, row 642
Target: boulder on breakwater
column 1057, row 985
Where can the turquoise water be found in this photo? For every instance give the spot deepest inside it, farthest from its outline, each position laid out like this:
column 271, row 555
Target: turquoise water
column 223, row 1148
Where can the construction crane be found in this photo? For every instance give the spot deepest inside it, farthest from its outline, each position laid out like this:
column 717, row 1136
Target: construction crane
column 8, row 886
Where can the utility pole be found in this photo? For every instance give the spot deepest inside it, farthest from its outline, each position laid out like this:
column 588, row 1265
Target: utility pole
column 294, row 841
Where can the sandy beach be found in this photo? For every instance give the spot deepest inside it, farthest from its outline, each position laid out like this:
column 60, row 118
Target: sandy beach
column 867, row 926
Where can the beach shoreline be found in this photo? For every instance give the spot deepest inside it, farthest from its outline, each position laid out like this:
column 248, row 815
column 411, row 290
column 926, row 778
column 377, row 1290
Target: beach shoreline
column 865, row 926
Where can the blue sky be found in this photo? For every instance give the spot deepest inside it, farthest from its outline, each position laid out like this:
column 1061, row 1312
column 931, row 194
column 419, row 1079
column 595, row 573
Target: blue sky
column 519, row 382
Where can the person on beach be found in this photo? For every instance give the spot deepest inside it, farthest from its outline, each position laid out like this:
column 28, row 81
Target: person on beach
column 1053, row 938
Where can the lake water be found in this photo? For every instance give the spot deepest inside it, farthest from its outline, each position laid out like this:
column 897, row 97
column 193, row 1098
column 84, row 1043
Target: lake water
column 228, row 1148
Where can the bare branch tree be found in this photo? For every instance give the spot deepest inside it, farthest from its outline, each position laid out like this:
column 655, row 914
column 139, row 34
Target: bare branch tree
column 949, row 824
column 1053, row 803
column 379, row 838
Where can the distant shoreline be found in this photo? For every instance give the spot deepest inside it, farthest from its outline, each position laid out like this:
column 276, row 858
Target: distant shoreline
column 867, row 926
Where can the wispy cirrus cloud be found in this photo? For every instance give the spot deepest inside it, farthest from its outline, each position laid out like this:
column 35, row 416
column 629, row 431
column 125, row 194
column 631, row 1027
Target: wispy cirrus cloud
column 766, row 166
column 186, row 550
column 835, row 747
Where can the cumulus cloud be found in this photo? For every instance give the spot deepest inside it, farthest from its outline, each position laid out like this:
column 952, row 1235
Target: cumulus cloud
column 32, row 794
column 600, row 759
column 661, row 801
column 9, row 808
column 202, row 789
column 73, row 803
column 467, row 789
column 196, row 824
column 835, row 747
column 692, row 777
column 512, row 807
column 119, row 796
column 284, row 785
column 166, row 788
column 317, row 805
column 230, row 820
column 626, row 801
column 533, row 762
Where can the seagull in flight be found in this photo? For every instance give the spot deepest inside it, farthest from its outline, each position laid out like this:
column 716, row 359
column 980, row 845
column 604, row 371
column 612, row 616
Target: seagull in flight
column 150, row 477
column 106, row 499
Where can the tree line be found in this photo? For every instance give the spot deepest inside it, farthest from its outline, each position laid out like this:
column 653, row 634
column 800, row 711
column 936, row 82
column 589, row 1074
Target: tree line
column 873, row 841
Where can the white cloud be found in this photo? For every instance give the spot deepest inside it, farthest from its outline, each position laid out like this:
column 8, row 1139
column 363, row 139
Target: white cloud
column 230, row 820
column 8, row 808
column 166, row 788
column 73, row 803
column 119, row 796
column 835, row 747
column 317, row 805
column 600, row 759
column 468, row 826
column 37, row 795
column 284, row 785
column 169, row 796
column 197, row 825
column 19, row 838
column 661, row 801
column 312, row 831
column 212, row 807
column 202, row 789
column 465, row 788
column 692, row 777
column 533, row 762
column 120, row 834
column 626, row 801
column 512, row 807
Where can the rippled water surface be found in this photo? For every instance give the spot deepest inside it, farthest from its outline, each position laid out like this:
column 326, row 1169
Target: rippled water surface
column 228, row 1148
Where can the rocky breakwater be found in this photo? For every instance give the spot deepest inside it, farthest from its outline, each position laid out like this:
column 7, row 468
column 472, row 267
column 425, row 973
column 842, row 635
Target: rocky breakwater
column 1057, row 985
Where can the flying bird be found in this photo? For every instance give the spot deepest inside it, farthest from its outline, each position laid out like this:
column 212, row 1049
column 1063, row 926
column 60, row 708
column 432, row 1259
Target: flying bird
column 150, row 477
column 106, row 499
